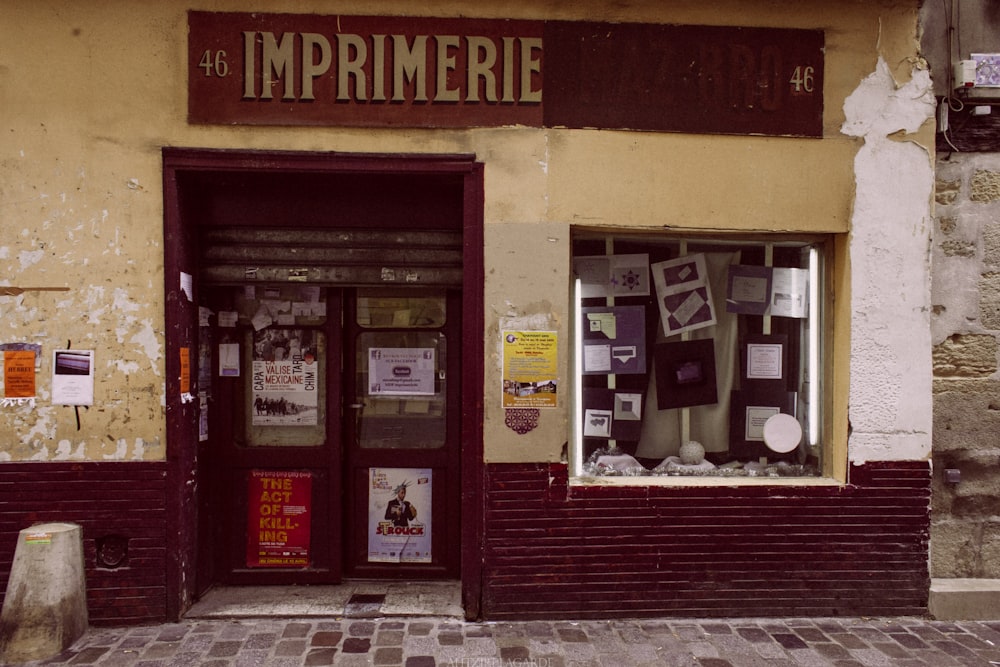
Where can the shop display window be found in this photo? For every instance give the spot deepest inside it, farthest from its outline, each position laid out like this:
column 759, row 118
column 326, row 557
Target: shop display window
column 699, row 355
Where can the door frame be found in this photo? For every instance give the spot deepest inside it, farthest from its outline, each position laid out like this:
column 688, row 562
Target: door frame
column 180, row 255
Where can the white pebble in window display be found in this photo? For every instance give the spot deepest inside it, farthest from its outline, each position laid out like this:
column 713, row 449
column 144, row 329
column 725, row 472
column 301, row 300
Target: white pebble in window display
column 692, row 453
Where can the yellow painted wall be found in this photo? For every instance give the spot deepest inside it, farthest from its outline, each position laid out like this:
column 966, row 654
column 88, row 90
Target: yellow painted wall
column 90, row 92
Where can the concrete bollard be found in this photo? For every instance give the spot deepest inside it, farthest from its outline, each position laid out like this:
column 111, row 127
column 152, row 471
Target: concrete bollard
column 45, row 608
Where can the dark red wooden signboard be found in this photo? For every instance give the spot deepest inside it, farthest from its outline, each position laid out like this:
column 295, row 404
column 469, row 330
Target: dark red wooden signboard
column 369, row 71
column 294, row 69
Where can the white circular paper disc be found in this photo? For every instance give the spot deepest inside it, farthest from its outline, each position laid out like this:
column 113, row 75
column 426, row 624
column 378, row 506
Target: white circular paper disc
column 782, row 433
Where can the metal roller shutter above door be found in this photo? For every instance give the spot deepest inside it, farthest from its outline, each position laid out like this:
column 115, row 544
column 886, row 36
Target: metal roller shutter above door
column 237, row 255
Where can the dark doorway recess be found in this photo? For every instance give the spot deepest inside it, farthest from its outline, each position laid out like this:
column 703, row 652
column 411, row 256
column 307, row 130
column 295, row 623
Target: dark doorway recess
column 359, row 228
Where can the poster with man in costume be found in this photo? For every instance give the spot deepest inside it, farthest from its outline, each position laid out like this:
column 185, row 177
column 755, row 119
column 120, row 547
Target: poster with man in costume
column 399, row 515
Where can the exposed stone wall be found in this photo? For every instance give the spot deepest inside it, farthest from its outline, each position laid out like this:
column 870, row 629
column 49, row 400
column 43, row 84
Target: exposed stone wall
column 965, row 326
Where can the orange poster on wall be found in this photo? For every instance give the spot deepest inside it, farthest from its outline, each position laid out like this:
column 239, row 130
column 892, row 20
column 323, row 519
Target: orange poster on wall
column 185, row 370
column 19, row 373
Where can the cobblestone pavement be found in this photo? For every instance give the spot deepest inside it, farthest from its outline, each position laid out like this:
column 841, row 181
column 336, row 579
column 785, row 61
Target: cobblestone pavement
column 433, row 642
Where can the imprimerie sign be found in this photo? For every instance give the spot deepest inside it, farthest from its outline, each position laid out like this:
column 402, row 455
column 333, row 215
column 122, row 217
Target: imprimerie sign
column 391, row 71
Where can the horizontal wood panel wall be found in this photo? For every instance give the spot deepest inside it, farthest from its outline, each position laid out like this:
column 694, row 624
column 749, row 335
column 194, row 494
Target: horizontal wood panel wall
column 553, row 550
column 114, row 498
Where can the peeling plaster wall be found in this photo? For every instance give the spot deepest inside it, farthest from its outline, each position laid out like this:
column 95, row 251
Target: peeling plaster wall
column 890, row 395
column 94, row 91
column 77, row 213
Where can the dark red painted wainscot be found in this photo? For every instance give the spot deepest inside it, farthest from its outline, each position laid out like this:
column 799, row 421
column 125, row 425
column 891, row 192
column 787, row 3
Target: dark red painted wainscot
column 554, row 550
column 123, row 502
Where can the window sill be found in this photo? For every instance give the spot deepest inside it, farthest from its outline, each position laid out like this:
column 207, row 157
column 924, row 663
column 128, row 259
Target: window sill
column 700, row 481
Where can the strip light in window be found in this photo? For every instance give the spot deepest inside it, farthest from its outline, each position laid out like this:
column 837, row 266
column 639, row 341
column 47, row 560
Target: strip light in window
column 814, row 326
column 576, row 459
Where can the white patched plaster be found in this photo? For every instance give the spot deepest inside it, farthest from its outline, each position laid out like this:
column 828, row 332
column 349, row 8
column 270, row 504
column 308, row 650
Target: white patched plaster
column 536, row 322
column 890, row 389
column 125, row 367
column 92, row 300
column 64, row 451
column 30, row 258
column 4, row 252
column 139, row 450
column 122, row 303
column 121, row 449
column 123, row 308
column 44, row 427
column 147, row 339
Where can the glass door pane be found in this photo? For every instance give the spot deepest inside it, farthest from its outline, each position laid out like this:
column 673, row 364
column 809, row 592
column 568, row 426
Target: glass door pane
column 285, row 405
column 401, row 384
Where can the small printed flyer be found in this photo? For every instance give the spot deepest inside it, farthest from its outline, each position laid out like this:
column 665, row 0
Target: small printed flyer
column 73, row 377
column 530, row 369
column 19, row 374
column 399, row 515
column 401, row 371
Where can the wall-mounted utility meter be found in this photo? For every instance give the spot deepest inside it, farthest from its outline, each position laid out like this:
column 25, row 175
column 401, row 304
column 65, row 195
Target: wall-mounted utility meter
column 965, row 74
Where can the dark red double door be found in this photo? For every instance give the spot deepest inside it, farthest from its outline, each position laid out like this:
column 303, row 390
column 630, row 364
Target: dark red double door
column 331, row 445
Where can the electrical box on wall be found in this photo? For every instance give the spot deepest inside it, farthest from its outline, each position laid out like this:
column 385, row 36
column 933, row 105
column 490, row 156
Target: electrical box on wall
column 978, row 78
column 965, row 74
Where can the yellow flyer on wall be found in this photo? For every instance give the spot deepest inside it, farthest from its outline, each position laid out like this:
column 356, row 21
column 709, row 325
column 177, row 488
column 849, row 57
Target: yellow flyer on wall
column 530, row 367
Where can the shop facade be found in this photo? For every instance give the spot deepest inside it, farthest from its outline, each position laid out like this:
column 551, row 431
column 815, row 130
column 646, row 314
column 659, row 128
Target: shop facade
column 598, row 311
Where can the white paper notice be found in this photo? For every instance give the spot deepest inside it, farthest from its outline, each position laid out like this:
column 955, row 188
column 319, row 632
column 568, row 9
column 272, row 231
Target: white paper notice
column 756, row 418
column 597, row 423
column 401, row 371
column 73, row 377
column 613, row 275
column 790, row 293
column 692, row 304
column 596, row 357
column 604, row 323
column 763, row 361
column 750, row 288
column 187, row 285
column 261, row 319
column 229, row 360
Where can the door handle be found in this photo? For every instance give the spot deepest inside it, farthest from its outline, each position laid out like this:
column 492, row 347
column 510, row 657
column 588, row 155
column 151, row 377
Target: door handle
column 356, row 406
